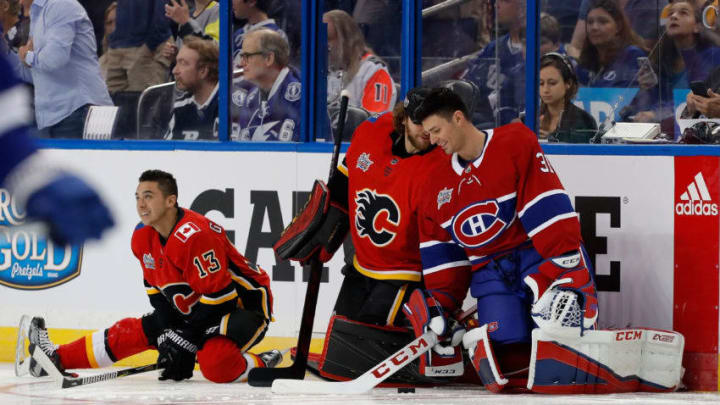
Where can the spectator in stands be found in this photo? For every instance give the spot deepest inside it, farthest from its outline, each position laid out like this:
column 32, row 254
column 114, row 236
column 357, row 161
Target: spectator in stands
column 14, row 28
column 550, row 40
column 709, row 106
column 644, row 19
column 200, row 19
column 135, row 58
column 683, row 55
column 96, row 10
column 499, row 70
column 60, row 59
column 195, row 114
column 558, row 87
column 256, row 14
column 109, row 28
column 269, row 110
column 609, row 58
column 380, row 22
column 355, row 67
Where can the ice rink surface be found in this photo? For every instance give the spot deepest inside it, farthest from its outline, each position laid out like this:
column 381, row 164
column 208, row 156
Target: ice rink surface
column 146, row 389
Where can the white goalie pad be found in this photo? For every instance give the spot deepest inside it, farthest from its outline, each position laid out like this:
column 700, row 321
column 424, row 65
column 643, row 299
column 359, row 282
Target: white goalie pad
column 606, row 361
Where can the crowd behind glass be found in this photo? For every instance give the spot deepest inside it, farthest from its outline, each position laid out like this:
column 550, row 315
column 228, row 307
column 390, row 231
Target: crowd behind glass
column 601, row 62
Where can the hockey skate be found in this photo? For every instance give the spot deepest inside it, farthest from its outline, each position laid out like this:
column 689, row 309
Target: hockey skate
column 271, row 358
column 38, row 337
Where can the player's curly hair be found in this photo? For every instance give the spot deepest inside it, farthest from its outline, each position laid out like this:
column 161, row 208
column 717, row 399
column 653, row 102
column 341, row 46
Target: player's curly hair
column 166, row 182
column 399, row 116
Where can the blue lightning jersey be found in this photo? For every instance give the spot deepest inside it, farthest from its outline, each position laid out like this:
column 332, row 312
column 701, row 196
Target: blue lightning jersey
column 499, row 73
column 274, row 116
column 622, row 72
column 15, row 144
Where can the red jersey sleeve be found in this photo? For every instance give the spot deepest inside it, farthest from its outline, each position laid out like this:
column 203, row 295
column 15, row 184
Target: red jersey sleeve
column 544, row 207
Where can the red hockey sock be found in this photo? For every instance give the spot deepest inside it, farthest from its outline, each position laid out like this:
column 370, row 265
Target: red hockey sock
column 74, row 354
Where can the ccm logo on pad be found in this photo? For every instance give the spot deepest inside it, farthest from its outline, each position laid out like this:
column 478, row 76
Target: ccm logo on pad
column 628, row 335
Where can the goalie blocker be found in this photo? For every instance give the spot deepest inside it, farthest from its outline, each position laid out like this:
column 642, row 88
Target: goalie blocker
column 599, row 362
column 320, row 227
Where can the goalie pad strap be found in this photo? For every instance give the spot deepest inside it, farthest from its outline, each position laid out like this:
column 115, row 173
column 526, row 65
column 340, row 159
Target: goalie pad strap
column 477, row 342
column 297, row 234
column 606, row 361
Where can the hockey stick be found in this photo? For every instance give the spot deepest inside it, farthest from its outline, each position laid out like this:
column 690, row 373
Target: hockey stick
column 264, row 377
column 69, row 382
column 367, row 381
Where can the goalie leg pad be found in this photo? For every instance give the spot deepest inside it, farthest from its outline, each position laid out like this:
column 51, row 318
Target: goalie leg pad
column 352, row 348
column 303, row 226
column 606, row 361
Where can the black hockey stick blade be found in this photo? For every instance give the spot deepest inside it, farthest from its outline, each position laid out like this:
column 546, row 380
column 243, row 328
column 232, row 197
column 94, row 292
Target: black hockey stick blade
column 264, row 377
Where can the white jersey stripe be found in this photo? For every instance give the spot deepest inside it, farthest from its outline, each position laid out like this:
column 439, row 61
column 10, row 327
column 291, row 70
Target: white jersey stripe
column 694, row 196
column 538, row 198
column 550, row 222
column 445, row 266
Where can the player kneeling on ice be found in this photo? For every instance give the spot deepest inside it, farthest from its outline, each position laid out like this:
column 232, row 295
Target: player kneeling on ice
column 210, row 303
column 495, row 219
column 373, row 192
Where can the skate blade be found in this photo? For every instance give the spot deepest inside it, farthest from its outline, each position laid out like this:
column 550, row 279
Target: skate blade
column 22, row 360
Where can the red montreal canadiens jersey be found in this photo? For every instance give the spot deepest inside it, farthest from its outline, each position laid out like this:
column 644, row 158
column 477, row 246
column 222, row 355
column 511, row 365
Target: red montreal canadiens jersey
column 198, row 268
column 509, row 194
column 382, row 191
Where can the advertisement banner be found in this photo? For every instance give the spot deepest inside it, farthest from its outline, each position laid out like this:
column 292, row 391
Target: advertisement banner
column 697, row 230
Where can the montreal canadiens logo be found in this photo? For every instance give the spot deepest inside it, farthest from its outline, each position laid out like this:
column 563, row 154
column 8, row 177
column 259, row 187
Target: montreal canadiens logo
column 377, row 217
column 478, row 224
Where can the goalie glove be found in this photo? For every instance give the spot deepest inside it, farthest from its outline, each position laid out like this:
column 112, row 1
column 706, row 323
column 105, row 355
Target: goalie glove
column 425, row 313
column 320, row 227
column 565, row 299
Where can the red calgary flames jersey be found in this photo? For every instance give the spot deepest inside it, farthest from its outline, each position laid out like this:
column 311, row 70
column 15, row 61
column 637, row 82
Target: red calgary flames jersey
column 198, row 267
column 382, row 189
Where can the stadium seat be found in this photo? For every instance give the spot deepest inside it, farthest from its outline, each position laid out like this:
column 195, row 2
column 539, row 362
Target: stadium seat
column 100, row 122
column 154, row 110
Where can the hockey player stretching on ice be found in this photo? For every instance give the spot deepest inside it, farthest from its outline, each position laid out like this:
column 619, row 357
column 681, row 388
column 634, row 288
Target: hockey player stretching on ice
column 496, row 219
column 377, row 186
column 209, row 301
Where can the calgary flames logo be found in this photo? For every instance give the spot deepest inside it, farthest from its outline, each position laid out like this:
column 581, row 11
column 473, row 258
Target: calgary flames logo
column 376, row 217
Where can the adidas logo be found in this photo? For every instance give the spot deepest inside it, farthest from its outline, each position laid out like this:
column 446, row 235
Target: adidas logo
column 697, row 199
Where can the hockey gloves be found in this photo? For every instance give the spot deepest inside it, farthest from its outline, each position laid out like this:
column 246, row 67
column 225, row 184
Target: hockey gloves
column 425, row 313
column 320, row 227
column 176, row 354
column 565, row 299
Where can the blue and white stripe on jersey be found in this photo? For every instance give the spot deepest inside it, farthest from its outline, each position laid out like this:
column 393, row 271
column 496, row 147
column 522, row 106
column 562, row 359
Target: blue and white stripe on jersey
column 441, row 255
column 546, row 209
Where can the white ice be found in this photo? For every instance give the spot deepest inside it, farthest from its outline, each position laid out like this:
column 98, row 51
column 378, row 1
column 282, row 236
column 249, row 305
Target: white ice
column 145, row 389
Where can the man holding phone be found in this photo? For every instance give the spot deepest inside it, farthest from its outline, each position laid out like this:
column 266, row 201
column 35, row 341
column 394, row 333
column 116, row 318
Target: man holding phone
column 703, row 98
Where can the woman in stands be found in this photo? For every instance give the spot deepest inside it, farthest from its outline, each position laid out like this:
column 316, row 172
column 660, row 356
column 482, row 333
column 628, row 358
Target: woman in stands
column 609, row 57
column 558, row 86
column 684, row 54
column 355, row 67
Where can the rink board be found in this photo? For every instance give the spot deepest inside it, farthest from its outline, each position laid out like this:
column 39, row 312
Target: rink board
column 656, row 264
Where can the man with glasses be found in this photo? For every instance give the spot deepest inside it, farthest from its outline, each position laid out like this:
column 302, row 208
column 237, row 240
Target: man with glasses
column 268, row 96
